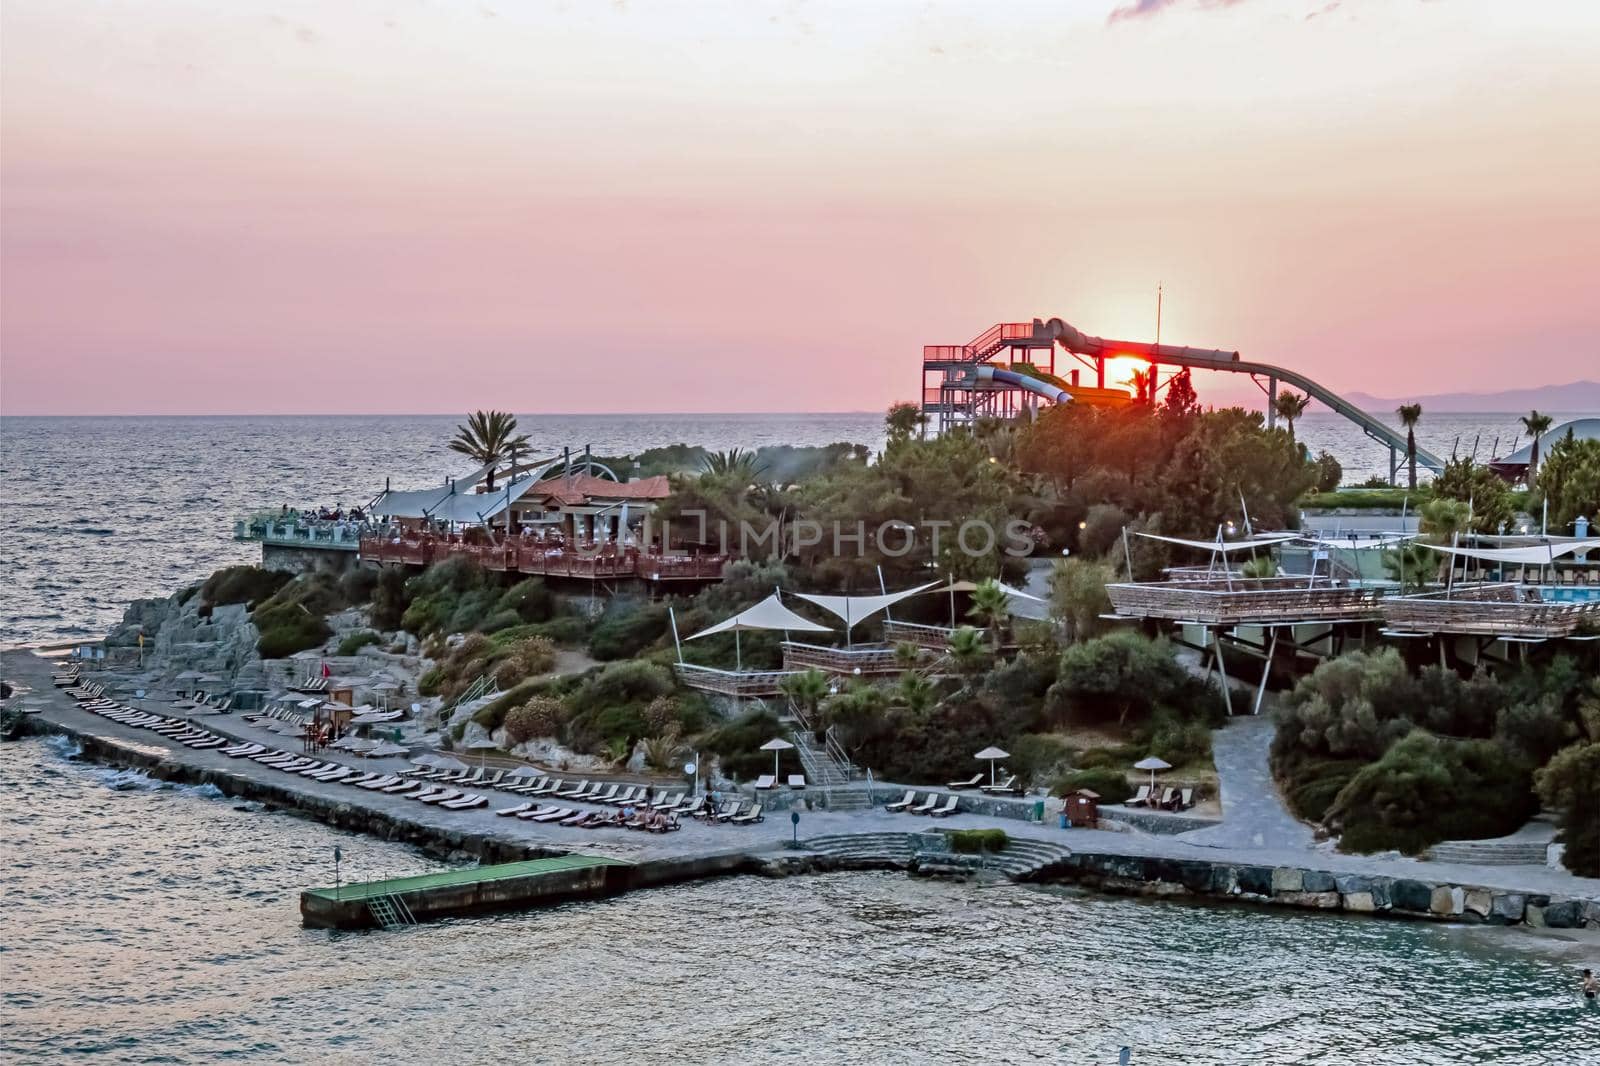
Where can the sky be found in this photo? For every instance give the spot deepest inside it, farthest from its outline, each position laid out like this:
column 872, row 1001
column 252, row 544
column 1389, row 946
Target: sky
column 733, row 205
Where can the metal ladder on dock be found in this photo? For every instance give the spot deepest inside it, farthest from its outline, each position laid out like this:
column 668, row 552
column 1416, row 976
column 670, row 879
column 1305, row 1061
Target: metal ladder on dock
column 390, row 912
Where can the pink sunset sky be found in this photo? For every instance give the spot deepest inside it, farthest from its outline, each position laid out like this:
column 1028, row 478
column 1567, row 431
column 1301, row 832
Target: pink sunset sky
column 740, row 206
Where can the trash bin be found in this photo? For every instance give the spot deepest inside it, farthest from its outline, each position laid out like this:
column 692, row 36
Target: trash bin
column 1038, row 811
column 1061, row 820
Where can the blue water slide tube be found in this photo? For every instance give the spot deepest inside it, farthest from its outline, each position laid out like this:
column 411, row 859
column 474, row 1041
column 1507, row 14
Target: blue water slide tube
column 1053, row 393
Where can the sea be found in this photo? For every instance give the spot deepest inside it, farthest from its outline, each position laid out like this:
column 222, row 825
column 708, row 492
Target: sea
column 100, row 511
column 147, row 923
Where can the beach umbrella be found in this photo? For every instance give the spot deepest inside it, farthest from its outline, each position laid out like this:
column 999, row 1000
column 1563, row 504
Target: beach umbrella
column 1151, row 763
column 776, row 745
column 189, row 675
column 384, row 749
column 992, row 754
column 522, row 771
column 353, row 744
column 444, row 762
column 481, row 745
column 428, row 759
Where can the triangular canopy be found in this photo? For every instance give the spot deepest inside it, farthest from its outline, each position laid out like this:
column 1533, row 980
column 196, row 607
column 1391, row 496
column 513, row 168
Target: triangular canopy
column 1223, row 546
column 450, row 504
column 1017, row 593
column 770, row 613
column 1533, row 555
column 854, row 609
column 1357, row 543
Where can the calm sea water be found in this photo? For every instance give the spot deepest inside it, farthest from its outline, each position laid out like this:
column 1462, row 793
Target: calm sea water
column 147, row 924
column 98, row 511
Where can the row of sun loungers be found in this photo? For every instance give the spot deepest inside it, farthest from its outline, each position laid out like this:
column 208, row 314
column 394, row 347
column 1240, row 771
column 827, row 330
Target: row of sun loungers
column 932, row 804
column 312, row 684
column 1011, row 786
column 767, row 782
column 1167, row 799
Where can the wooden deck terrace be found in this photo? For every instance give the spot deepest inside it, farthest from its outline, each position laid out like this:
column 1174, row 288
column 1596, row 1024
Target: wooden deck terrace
column 737, row 683
column 543, row 561
column 1501, row 610
column 862, row 659
column 933, row 638
column 1245, row 601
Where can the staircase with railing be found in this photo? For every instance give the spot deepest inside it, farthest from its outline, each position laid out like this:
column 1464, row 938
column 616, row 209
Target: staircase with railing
column 826, row 764
column 390, row 912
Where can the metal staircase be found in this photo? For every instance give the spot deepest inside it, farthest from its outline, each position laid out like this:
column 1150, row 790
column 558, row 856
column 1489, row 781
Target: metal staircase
column 390, row 912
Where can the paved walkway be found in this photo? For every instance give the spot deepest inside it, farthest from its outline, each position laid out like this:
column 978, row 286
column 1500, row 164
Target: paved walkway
column 1253, row 812
column 1280, row 844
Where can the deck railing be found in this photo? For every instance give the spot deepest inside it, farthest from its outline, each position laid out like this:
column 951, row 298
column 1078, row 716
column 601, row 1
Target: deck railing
column 738, row 683
column 524, row 558
column 335, row 536
column 863, row 659
column 1245, row 601
column 934, row 638
column 1501, row 610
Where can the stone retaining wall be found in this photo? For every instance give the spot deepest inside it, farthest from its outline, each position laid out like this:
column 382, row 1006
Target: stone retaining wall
column 1161, row 824
column 1289, row 886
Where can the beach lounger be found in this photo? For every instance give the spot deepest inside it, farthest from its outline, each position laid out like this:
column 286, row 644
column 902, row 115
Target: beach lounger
column 1140, row 798
column 361, row 778
column 570, row 793
column 626, row 797
column 797, row 781
column 1169, row 799
column 691, row 808
column 468, row 802
column 668, row 804
column 973, row 782
column 1008, row 785
column 525, row 786
column 670, row 825
column 239, row 751
column 381, row 781
column 554, row 814
column 212, row 742
column 575, row 817
column 408, row 789
column 765, row 782
column 596, row 796
column 538, row 811
column 549, row 788
column 475, row 777
column 750, row 818
column 508, row 812
column 494, row 779
column 440, row 796
column 1185, row 799
column 927, row 805
column 904, row 803
column 730, row 811
column 951, row 803
column 341, row 774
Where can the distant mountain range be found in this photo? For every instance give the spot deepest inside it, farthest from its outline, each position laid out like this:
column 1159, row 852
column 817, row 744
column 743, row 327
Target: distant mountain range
column 1577, row 398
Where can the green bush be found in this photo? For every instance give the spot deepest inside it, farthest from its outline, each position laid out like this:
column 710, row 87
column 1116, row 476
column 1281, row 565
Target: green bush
column 242, row 584
column 1179, row 743
column 1117, row 757
column 1426, row 789
column 627, row 629
column 357, row 584
column 1570, row 785
column 1126, row 677
column 289, row 628
column 737, row 744
column 1111, row 785
column 493, row 714
column 1315, row 783
column 1033, row 755
column 566, row 629
column 976, row 841
column 390, row 599
column 354, row 642
column 630, row 681
column 539, row 717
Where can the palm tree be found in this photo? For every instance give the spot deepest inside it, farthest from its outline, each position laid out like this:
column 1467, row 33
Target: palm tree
column 1290, row 406
column 1537, row 426
column 907, row 655
column 904, row 420
column 806, row 691
column 1142, row 380
column 488, row 437
column 992, row 607
column 915, row 692
column 1410, row 414
column 968, row 651
column 739, row 465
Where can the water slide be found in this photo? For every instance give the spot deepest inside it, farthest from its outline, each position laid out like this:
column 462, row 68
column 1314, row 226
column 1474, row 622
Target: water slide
column 1216, row 359
column 1025, row 382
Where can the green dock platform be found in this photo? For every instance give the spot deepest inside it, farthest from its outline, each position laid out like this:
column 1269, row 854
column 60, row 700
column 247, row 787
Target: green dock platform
column 477, row 889
column 502, row 887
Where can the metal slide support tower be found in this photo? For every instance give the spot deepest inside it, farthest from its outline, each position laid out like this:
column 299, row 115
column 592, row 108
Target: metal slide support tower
column 953, row 395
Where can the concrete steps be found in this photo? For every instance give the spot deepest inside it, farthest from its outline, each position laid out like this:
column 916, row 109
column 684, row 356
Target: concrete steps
column 866, row 849
column 1489, row 853
column 1021, row 860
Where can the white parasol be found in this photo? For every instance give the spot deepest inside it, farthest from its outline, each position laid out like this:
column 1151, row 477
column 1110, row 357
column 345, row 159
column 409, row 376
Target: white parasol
column 992, row 754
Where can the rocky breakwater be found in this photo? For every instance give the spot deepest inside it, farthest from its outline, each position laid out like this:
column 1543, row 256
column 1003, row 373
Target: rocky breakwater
column 1290, row 886
column 178, row 637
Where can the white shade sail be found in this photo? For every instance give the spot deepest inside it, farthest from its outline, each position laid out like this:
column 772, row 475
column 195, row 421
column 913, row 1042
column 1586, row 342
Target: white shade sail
column 1017, row 593
column 770, row 613
column 1223, row 546
column 450, row 504
column 1359, row 543
column 855, row 609
column 1532, row 555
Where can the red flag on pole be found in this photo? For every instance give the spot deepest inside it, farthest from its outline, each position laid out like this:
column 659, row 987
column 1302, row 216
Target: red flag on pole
column 325, row 671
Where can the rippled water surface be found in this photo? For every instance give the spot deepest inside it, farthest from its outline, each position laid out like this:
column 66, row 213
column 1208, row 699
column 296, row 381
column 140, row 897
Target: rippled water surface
column 98, row 511
column 160, row 925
